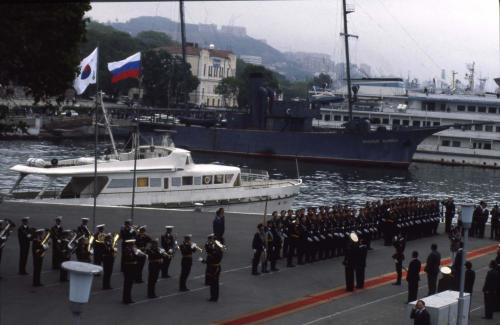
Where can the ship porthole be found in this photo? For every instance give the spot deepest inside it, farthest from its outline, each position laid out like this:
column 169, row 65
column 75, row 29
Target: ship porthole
column 206, row 180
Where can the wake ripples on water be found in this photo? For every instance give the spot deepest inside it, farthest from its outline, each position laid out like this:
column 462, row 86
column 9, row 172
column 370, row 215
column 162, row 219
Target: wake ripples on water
column 324, row 184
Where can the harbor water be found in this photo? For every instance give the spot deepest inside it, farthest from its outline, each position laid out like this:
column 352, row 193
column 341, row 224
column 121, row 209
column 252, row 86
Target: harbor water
column 324, row 184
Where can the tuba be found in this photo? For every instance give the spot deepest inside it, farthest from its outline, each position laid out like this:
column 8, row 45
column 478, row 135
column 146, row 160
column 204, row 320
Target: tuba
column 4, row 234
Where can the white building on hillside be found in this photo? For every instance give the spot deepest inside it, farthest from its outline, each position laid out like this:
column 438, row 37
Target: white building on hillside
column 210, row 66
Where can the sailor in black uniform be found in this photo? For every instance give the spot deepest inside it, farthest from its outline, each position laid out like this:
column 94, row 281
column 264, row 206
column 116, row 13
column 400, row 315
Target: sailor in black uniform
column 25, row 235
column 155, row 259
column 187, row 249
column 350, row 261
column 129, row 269
column 56, row 233
column 213, row 260
column 169, row 244
column 142, row 241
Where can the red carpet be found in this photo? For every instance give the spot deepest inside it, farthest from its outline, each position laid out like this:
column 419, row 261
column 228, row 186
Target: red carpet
column 333, row 294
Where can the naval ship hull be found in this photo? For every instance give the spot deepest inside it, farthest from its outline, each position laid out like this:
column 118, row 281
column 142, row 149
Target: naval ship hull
column 394, row 148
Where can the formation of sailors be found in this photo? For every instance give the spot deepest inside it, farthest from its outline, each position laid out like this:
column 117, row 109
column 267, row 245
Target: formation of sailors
column 100, row 248
column 306, row 236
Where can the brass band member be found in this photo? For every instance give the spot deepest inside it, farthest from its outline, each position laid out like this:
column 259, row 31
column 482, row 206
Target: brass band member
column 214, row 257
column 399, row 244
column 83, row 229
column 39, row 248
column 126, row 232
column 169, row 244
column 108, row 259
column 142, row 241
column 187, row 249
column 99, row 236
column 208, row 246
column 155, row 258
column 84, row 250
column 129, row 258
column 6, row 228
column 65, row 252
column 25, row 236
column 56, row 236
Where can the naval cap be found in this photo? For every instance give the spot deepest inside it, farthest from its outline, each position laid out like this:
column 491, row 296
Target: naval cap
column 101, row 226
column 188, row 236
column 169, row 227
column 59, row 218
column 130, row 241
column 211, row 235
column 25, row 218
column 354, row 237
column 143, row 227
column 85, row 219
column 40, row 230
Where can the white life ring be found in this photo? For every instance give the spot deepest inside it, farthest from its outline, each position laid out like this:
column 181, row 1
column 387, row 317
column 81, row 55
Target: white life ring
column 206, row 179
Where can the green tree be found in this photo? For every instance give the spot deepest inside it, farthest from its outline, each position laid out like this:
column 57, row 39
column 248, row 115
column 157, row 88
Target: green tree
column 322, row 81
column 243, row 73
column 40, row 45
column 166, row 79
column 228, row 88
column 151, row 39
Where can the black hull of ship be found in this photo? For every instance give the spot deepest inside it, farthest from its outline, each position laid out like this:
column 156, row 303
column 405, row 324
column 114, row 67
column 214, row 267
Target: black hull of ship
column 393, row 148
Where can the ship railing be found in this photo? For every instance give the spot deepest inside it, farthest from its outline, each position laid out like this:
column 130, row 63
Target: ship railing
column 248, row 174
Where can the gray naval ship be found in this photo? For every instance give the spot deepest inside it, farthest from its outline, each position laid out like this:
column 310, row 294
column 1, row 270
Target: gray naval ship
column 279, row 129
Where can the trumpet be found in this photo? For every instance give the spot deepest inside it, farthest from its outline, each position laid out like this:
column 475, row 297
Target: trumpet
column 220, row 245
column 164, row 253
column 89, row 247
column 194, row 246
column 138, row 252
column 44, row 241
column 4, row 234
column 115, row 240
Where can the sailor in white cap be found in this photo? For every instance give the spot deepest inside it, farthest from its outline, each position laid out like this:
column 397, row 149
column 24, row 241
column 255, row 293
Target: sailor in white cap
column 39, row 248
column 169, row 244
column 142, row 241
column 99, row 245
column 83, row 228
column 350, row 261
column 129, row 269
column 447, row 280
column 25, row 236
column 56, row 234
column 187, row 249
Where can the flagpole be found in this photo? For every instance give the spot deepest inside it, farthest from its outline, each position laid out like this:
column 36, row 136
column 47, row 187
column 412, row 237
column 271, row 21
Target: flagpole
column 96, row 133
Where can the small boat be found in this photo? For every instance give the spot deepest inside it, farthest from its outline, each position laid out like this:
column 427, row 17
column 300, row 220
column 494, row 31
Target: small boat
column 165, row 177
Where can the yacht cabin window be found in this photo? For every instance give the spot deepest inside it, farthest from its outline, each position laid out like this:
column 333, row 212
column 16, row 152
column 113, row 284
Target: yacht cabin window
column 416, row 123
column 492, row 110
column 488, row 128
column 337, row 117
column 187, row 180
column 436, row 123
column 228, row 178
column 176, row 181
column 456, row 144
column 487, row 146
column 142, row 182
column 481, row 109
column 219, row 179
column 120, row 183
column 471, row 108
column 197, row 180
column 207, row 179
column 385, row 121
column 165, row 183
column 498, row 128
column 461, row 108
column 155, row 182
column 445, row 143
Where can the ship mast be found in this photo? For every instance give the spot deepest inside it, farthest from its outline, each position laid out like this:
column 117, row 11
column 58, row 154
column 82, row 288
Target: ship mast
column 346, row 35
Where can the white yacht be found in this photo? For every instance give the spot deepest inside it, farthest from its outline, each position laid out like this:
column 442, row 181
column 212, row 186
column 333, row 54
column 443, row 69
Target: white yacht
column 165, row 177
column 386, row 103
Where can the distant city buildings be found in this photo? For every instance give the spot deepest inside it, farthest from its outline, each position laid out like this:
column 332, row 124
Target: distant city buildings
column 251, row 59
column 210, row 65
column 312, row 62
column 234, row 30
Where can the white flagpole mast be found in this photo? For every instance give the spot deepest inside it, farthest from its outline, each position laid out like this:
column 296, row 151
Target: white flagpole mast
column 96, row 133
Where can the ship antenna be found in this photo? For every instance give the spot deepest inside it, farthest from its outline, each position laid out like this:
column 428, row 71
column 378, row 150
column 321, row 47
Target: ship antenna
column 348, row 64
column 297, row 167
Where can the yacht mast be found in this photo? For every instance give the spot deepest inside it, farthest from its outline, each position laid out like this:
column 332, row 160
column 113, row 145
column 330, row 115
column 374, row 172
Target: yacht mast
column 346, row 35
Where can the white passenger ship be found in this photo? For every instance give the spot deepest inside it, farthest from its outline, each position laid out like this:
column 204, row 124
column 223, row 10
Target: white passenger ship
column 165, row 177
column 386, row 103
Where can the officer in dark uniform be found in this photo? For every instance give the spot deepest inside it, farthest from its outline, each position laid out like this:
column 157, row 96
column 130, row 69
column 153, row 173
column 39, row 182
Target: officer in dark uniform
column 495, row 223
column 129, row 269
column 350, row 261
column 99, row 237
column 219, row 225
column 293, row 239
column 213, row 259
column 83, row 229
column 25, row 235
column 207, row 247
column 155, row 258
column 447, row 281
column 169, row 244
column 56, row 236
column 108, row 259
column 360, row 265
column 273, row 246
column 491, row 285
column 258, row 247
column 448, row 214
column 142, row 241
column 413, row 277
column 65, row 252
column 126, row 232
column 399, row 244
column 38, row 248
column 187, row 249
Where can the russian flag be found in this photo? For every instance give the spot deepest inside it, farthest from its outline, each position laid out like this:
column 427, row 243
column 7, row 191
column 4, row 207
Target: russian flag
column 127, row 68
